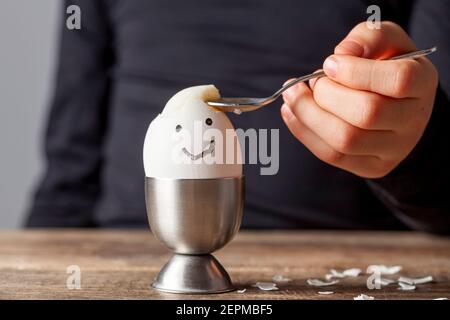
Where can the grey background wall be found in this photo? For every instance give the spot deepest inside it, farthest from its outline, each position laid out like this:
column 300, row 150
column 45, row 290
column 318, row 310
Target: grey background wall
column 28, row 45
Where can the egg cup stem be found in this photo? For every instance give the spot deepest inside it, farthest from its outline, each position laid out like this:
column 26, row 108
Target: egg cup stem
column 193, row 274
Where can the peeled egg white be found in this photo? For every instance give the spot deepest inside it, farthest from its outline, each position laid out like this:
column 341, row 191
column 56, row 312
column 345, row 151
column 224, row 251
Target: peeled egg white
column 163, row 146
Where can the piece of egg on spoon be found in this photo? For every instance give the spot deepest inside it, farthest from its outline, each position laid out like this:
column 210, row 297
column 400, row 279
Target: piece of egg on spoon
column 190, row 140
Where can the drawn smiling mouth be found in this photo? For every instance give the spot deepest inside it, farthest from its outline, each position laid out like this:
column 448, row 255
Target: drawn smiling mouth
column 209, row 150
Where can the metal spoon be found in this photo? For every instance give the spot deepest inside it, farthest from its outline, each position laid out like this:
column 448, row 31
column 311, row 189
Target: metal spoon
column 239, row 105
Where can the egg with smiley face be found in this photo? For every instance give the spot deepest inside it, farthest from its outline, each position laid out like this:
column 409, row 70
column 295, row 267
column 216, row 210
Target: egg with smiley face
column 190, row 140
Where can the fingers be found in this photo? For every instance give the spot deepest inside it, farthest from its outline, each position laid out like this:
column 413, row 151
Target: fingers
column 362, row 109
column 397, row 79
column 357, row 63
column 338, row 134
column 311, row 140
column 369, row 113
column 364, row 166
column 381, row 43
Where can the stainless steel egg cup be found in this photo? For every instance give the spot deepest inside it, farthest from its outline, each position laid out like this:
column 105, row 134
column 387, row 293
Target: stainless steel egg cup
column 193, row 218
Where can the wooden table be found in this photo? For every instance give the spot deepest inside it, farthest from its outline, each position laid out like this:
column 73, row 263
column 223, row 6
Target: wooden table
column 121, row 264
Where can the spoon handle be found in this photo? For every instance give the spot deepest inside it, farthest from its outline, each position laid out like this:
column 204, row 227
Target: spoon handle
column 321, row 73
column 318, row 74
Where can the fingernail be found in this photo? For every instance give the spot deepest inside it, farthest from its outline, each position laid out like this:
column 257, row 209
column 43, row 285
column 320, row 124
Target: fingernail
column 330, row 66
column 286, row 112
column 350, row 47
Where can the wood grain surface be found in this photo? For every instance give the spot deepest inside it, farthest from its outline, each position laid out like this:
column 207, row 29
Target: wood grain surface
column 122, row 264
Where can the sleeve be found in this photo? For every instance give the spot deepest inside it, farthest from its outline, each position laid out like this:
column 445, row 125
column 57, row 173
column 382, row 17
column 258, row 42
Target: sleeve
column 418, row 190
column 76, row 127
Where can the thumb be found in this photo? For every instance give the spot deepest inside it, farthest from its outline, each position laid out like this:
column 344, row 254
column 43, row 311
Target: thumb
column 364, row 42
column 350, row 47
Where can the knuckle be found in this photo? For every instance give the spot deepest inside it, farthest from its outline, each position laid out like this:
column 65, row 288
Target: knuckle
column 332, row 157
column 378, row 35
column 369, row 114
column 360, row 28
column 382, row 169
column 404, row 79
column 345, row 139
column 361, row 25
column 389, row 26
column 375, row 170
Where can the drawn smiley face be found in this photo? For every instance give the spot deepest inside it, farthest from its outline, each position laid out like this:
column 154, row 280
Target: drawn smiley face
column 209, row 150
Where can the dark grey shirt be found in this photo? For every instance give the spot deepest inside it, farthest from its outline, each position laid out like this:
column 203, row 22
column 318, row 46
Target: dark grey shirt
column 117, row 72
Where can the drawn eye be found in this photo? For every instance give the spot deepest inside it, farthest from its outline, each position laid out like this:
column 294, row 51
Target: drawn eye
column 209, row 121
column 178, row 128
